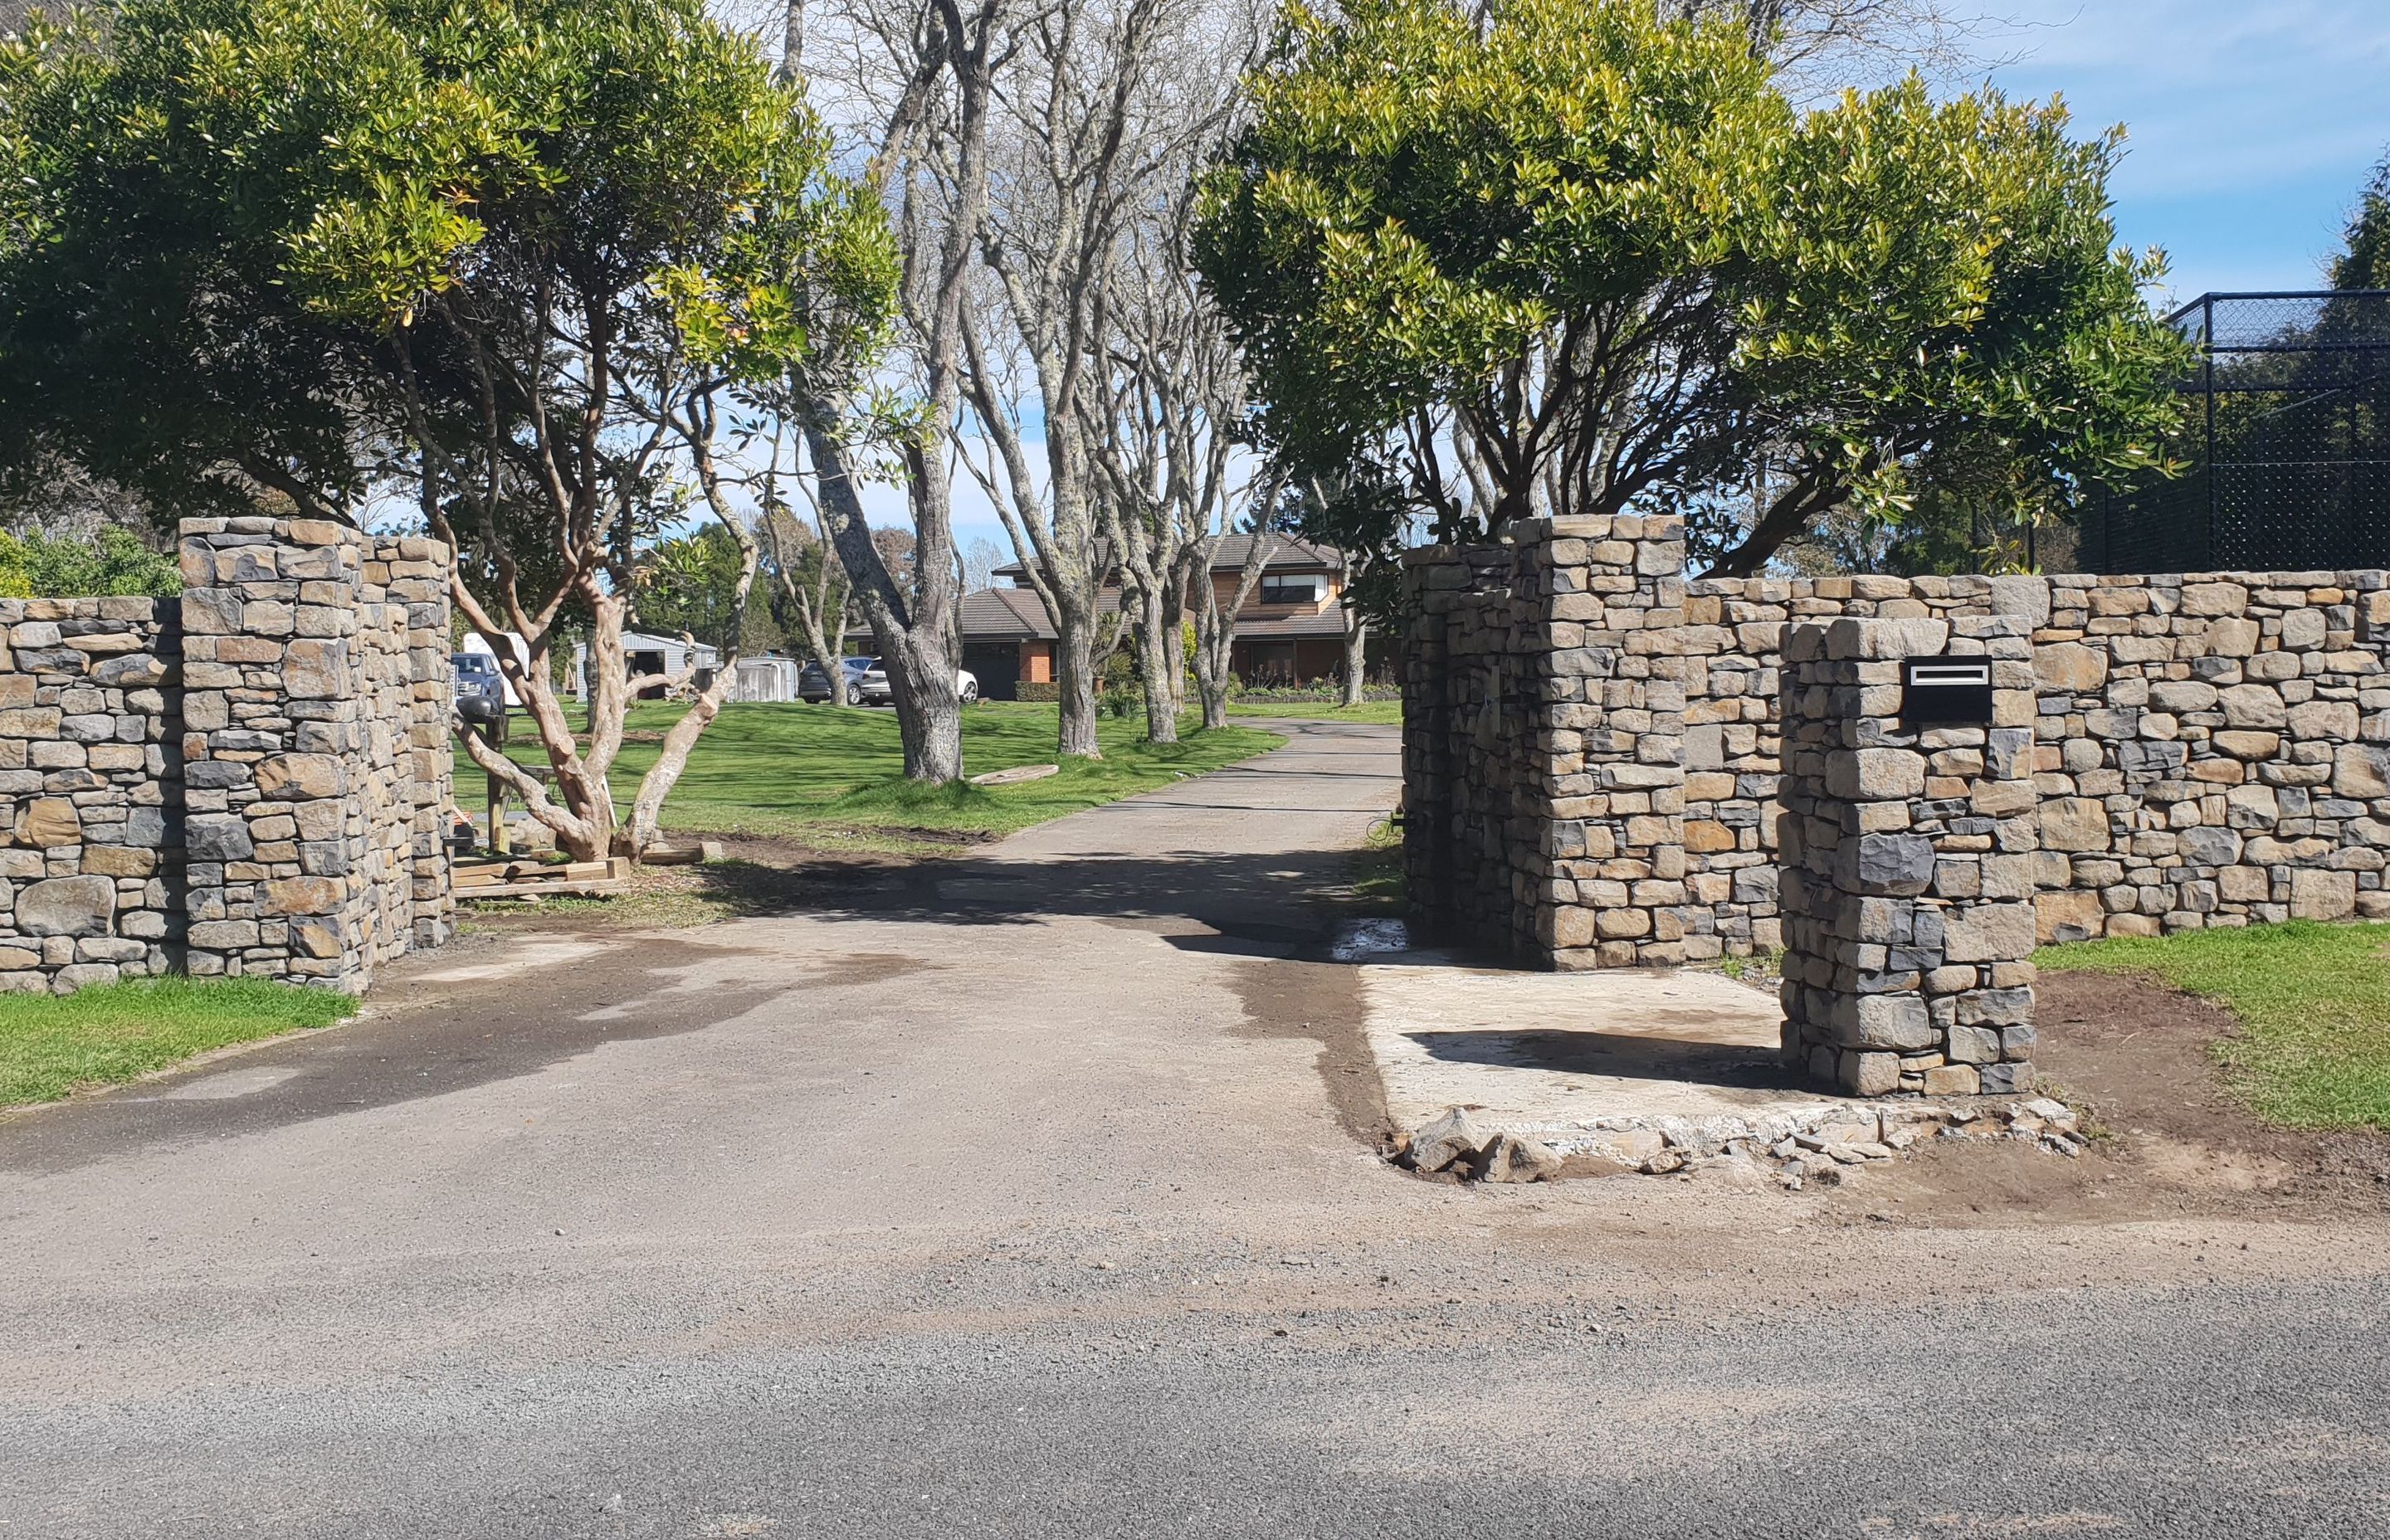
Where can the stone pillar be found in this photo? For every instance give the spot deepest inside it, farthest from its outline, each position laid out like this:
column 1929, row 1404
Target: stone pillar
column 1907, row 863
column 1612, row 743
column 1543, row 721
column 274, row 751
column 413, row 574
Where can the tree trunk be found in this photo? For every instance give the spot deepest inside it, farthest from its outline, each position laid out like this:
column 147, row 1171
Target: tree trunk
column 1357, row 645
column 919, row 657
column 1154, row 660
column 1074, row 671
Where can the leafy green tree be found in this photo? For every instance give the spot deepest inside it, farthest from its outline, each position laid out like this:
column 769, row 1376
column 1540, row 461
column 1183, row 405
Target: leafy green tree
column 524, row 262
column 2364, row 259
column 689, row 584
column 1582, row 260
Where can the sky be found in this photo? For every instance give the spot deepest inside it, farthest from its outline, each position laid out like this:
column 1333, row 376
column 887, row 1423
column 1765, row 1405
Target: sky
column 2252, row 123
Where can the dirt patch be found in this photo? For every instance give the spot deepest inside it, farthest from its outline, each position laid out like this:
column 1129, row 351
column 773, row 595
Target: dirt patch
column 2134, row 1056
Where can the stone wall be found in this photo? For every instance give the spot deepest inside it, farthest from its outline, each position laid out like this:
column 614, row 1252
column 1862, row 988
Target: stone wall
column 1907, row 863
column 306, row 788
column 1543, row 742
column 249, row 781
column 87, row 764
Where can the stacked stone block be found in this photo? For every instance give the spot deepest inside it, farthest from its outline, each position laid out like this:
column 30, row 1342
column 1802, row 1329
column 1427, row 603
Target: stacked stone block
column 1907, row 863
column 301, row 718
column 1544, row 741
column 91, row 795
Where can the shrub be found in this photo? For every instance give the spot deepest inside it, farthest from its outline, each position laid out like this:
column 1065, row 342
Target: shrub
column 36, row 566
column 1044, row 691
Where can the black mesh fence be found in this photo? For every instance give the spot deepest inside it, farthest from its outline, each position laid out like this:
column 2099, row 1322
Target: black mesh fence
column 2290, row 448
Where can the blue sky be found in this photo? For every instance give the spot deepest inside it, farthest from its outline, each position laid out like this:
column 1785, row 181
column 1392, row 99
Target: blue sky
column 2252, row 125
column 2253, row 122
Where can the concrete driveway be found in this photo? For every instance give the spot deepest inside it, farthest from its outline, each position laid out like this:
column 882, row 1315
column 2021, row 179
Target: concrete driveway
column 1035, row 1195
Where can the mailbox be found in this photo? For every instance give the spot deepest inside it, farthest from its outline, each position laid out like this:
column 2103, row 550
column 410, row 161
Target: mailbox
column 1950, row 692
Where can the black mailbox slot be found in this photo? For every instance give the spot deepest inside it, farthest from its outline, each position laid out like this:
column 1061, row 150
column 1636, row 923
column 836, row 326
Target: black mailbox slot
column 1947, row 691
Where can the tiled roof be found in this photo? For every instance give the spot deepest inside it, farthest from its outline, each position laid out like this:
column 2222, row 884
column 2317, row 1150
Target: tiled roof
column 1017, row 615
column 1287, row 554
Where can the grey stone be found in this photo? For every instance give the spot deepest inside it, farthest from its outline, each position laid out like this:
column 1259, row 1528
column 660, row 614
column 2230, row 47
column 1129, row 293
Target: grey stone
column 1454, row 1136
column 67, row 907
column 1895, row 863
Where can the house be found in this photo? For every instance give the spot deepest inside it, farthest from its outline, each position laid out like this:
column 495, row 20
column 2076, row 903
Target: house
column 656, row 659
column 1291, row 630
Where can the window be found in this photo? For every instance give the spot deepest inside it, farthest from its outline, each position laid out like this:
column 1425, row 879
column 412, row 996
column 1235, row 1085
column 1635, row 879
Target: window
column 1290, row 590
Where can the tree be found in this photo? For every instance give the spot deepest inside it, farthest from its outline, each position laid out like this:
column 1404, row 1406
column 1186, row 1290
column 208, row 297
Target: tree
column 1584, row 260
column 2364, row 258
column 518, row 259
column 690, row 586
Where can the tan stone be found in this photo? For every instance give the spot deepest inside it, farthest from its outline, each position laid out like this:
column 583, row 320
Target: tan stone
column 2245, row 884
column 300, row 777
column 1705, row 837
column 2070, row 666
column 2362, row 770
column 2248, row 745
column 2253, row 706
column 316, row 940
column 2232, row 638
column 118, row 861
column 2214, row 598
column 49, row 822
column 2073, row 824
column 1988, row 933
column 2334, row 721
column 2323, row 895
column 2003, row 799
column 2219, row 772
column 2071, row 916
column 303, row 895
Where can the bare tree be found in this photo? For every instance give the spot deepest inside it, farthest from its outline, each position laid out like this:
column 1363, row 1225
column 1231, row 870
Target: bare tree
column 917, row 77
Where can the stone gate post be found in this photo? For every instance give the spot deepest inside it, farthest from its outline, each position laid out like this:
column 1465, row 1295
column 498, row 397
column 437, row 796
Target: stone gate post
column 1907, row 863
column 298, row 714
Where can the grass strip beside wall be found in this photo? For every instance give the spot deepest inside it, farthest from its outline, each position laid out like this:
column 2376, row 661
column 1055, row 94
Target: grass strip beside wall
column 53, row 1044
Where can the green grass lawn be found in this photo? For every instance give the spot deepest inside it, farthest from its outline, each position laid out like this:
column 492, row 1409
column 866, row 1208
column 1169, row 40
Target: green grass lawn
column 1386, row 712
column 52, row 1045
column 2314, row 1001
column 833, row 773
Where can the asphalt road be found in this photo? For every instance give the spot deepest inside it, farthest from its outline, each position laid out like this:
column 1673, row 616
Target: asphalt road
column 1033, row 1196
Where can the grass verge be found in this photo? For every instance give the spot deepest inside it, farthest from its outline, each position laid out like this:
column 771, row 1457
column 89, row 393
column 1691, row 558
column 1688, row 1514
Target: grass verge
column 2314, row 1003
column 54, row 1044
column 829, row 776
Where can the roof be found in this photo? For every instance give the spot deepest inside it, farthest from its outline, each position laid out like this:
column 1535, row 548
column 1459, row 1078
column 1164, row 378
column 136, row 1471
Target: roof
column 1287, row 554
column 1017, row 615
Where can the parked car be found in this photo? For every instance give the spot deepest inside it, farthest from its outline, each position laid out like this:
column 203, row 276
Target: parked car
column 814, row 685
column 871, row 687
column 480, row 689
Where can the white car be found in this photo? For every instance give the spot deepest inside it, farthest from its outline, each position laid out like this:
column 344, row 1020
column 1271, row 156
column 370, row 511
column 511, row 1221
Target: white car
column 870, row 687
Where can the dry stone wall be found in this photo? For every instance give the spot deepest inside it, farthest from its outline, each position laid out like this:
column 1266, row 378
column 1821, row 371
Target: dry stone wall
column 87, row 731
column 1594, row 752
column 248, row 780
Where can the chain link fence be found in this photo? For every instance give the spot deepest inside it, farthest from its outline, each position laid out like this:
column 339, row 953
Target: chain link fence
column 2290, row 447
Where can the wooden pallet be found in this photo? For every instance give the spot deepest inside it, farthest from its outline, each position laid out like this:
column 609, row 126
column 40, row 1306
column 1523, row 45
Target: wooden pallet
column 528, row 879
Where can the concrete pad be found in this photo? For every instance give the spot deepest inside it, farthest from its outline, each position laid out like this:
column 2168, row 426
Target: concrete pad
column 1568, row 1054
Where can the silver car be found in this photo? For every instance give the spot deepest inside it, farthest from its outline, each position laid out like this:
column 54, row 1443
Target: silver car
column 870, row 687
